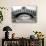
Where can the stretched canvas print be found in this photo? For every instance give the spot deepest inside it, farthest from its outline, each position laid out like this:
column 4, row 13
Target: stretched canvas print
column 24, row 14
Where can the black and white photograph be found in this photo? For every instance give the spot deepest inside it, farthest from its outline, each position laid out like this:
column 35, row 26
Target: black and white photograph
column 24, row 14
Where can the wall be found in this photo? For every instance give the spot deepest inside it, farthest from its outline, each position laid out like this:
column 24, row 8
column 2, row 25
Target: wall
column 26, row 29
